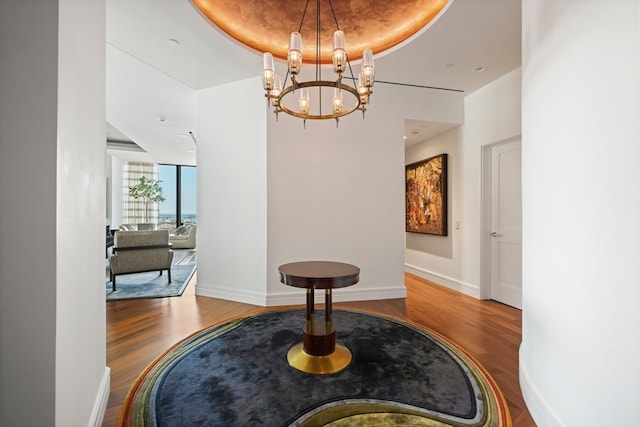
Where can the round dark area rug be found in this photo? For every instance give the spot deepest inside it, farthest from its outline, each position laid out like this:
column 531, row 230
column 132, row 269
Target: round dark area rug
column 236, row 374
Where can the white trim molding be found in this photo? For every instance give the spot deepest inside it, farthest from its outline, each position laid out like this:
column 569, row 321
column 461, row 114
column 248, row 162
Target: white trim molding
column 298, row 296
column 449, row 282
column 100, row 405
column 237, row 295
column 539, row 410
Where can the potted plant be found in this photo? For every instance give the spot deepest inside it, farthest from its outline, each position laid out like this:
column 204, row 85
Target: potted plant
column 149, row 191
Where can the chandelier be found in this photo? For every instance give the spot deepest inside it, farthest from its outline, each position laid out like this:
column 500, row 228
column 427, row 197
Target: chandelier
column 282, row 99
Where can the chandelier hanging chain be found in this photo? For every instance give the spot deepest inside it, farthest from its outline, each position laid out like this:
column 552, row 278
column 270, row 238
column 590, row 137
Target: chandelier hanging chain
column 318, row 46
column 333, row 12
column 318, row 77
column 275, row 93
column 304, row 13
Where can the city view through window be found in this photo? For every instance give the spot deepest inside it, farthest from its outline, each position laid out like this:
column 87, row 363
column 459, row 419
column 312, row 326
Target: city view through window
column 179, row 190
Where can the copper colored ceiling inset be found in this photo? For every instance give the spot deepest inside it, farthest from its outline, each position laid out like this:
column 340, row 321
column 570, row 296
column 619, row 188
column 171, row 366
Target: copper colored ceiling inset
column 266, row 25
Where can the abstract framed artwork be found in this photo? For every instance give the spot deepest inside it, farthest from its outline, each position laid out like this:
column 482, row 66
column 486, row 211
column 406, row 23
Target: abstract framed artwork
column 426, row 196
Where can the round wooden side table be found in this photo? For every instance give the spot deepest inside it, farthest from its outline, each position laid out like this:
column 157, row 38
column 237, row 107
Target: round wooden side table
column 318, row 352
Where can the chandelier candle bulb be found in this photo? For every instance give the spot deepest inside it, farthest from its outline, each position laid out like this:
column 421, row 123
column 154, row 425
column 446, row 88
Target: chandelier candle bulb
column 337, row 100
column 268, row 71
column 363, row 91
column 295, row 53
column 339, row 54
column 303, row 103
column 368, row 70
column 274, row 93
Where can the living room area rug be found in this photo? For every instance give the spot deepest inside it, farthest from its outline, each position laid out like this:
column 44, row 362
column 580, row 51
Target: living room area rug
column 236, row 374
column 151, row 284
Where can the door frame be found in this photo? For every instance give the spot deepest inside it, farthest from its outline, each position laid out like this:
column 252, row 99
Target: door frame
column 485, row 215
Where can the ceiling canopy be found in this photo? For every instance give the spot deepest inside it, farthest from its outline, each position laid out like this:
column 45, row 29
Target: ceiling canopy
column 266, row 25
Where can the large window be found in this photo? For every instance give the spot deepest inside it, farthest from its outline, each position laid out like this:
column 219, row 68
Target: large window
column 179, row 190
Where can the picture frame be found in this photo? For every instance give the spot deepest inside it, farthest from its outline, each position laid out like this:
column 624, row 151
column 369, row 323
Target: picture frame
column 426, row 196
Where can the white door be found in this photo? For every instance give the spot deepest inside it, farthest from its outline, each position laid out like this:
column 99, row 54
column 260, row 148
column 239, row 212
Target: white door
column 506, row 224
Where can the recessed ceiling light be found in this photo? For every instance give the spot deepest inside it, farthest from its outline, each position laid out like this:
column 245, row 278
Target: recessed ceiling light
column 449, row 65
column 162, row 119
column 173, row 42
column 479, row 69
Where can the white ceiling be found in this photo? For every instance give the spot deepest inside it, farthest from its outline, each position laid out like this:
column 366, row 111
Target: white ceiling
column 159, row 53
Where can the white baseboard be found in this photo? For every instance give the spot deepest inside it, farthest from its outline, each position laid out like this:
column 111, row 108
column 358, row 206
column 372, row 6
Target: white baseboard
column 540, row 412
column 298, row 296
column 247, row 297
column 451, row 283
column 100, row 405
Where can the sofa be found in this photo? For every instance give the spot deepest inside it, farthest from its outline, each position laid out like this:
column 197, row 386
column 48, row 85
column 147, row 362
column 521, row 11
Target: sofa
column 184, row 237
column 140, row 251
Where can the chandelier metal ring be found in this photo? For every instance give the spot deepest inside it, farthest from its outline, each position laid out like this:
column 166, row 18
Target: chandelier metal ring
column 320, row 83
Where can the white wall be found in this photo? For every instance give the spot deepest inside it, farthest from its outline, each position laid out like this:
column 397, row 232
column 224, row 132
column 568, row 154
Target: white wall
column 232, row 192
column 52, row 319
column 82, row 379
column 338, row 193
column 272, row 192
column 491, row 115
column 580, row 354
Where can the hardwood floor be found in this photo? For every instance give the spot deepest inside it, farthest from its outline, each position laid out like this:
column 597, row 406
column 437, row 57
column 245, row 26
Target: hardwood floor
column 138, row 331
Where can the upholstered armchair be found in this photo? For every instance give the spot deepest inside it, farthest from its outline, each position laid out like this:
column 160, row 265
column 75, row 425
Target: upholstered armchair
column 140, row 251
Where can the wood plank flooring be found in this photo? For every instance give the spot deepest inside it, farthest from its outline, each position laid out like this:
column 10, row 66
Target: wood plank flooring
column 138, row 331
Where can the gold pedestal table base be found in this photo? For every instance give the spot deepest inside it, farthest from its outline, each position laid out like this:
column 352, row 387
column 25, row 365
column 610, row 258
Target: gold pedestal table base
column 330, row 364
